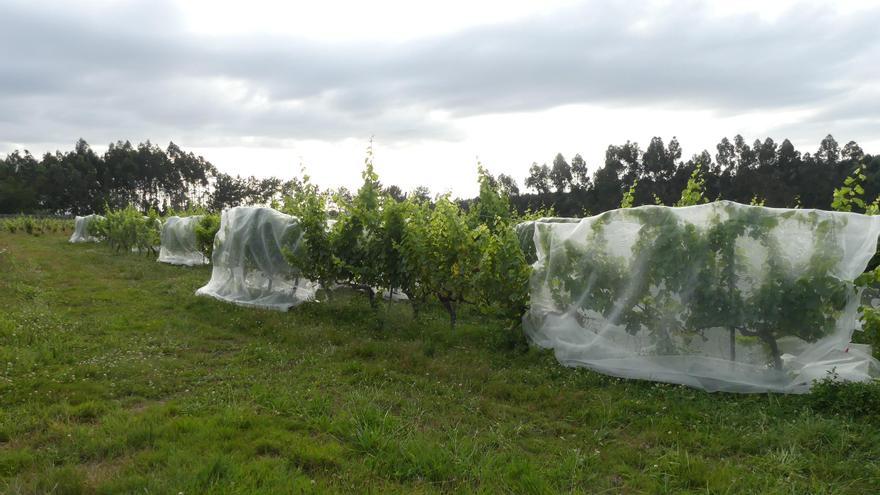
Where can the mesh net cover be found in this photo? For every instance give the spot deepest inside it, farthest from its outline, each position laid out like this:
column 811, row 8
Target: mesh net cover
column 249, row 267
column 721, row 296
column 178, row 245
column 81, row 229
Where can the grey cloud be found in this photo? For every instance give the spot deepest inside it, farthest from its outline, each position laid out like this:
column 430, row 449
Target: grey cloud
column 135, row 71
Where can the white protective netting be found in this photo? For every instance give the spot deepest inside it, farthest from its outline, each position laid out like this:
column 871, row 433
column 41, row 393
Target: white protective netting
column 722, row 296
column 178, row 246
column 249, row 267
column 81, row 229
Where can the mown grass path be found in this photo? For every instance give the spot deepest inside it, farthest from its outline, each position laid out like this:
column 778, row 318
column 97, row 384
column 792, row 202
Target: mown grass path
column 115, row 378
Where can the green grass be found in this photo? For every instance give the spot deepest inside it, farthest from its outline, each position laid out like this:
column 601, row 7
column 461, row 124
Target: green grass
column 115, row 378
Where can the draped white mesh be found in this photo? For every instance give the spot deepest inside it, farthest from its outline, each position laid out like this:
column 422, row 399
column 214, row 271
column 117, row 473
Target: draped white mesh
column 81, row 229
column 719, row 296
column 249, row 267
column 179, row 245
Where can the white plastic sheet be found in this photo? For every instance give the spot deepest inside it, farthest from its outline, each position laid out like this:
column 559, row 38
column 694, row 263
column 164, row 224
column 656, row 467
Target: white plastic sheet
column 249, row 267
column 81, row 229
column 722, row 296
column 179, row 245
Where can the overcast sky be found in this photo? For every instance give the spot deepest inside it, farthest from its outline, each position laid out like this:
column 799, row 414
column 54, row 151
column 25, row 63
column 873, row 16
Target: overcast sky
column 260, row 87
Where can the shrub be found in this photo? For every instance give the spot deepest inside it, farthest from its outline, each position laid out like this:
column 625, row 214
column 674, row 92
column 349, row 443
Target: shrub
column 35, row 225
column 354, row 238
column 854, row 399
column 206, row 230
column 128, row 230
column 314, row 257
column 502, row 282
column 441, row 251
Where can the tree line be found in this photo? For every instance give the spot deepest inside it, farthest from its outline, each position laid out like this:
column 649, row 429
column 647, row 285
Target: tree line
column 144, row 176
column 769, row 173
column 171, row 179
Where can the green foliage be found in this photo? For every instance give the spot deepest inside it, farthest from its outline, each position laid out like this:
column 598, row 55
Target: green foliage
column 870, row 334
column 423, row 250
column 472, row 258
column 694, row 191
column 544, row 212
column 355, row 237
column 35, row 226
column 492, row 207
column 315, row 256
column 502, row 282
column 869, row 316
column 874, row 207
column 206, row 230
column 845, row 198
column 361, row 249
column 629, row 195
column 393, row 274
column 853, row 399
column 441, row 252
column 850, row 194
column 126, row 230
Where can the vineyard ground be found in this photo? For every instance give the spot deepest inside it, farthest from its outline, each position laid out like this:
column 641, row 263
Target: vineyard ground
column 115, row 378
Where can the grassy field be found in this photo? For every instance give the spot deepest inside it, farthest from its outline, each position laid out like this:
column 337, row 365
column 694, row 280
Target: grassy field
column 115, row 378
